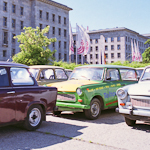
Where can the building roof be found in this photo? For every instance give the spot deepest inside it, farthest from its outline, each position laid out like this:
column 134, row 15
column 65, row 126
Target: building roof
column 53, row 3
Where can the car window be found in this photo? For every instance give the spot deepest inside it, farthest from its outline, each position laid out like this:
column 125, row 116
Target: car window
column 34, row 72
column 21, row 76
column 146, row 75
column 128, row 74
column 4, row 81
column 47, row 74
column 60, row 74
column 112, row 75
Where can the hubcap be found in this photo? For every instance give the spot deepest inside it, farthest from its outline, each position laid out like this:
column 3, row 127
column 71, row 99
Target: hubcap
column 34, row 117
column 95, row 109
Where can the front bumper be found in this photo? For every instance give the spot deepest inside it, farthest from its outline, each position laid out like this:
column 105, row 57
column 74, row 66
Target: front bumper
column 138, row 112
column 62, row 106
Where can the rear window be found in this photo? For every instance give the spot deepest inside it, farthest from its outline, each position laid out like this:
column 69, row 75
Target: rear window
column 128, row 74
column 21, row 76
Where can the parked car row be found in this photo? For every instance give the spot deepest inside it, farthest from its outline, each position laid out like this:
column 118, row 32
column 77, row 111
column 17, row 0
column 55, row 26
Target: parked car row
column 89, row 89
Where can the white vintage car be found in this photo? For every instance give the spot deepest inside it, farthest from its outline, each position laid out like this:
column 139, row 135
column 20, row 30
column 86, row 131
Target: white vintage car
column 134, row 100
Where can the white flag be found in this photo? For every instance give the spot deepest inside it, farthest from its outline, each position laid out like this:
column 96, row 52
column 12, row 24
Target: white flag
column 87, row 41
column 139, row 54
column 80, row 44
column 71, row 49
column 136, row 52
column 132, row 50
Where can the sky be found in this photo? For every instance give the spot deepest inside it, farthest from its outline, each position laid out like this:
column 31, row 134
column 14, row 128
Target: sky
column 103, row 14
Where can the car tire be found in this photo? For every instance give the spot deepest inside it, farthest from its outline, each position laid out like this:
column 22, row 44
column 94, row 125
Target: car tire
column 94, row 111
column 57, row 113
column 34, row 118
column 130, row 122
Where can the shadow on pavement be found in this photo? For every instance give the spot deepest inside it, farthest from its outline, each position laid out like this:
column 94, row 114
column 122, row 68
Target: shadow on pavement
column 13, row 138
column 107, row 117
column 142, row 126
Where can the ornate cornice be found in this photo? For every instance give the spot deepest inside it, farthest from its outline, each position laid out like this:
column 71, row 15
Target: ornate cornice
column 50, row 2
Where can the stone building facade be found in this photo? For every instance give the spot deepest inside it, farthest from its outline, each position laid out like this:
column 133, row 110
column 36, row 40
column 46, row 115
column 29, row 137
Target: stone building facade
column 15, row 14
column 116, row 43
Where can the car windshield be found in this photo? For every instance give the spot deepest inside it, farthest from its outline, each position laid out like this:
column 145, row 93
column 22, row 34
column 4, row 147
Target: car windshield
column 146, row 75
column 128, row 74
column 87, row 74
column 34, row 72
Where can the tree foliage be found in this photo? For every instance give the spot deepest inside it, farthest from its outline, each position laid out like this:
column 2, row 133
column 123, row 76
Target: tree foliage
column 34, row 47
column 146, row 54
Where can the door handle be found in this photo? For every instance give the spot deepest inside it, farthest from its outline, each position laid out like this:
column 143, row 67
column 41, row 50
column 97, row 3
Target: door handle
column 11, row 92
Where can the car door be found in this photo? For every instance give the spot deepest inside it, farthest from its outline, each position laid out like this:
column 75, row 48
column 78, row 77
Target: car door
column 113, row 83
column 7, row 99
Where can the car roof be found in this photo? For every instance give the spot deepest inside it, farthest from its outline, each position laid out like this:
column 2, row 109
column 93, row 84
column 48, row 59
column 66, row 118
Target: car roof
column 106, row 66
column 68, row 69
column 140, row 68
column 12, row 64
column 45, row 66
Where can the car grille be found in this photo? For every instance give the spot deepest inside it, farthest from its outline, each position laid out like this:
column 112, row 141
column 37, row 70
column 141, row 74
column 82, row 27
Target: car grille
column 140, row 102
column 66, row 97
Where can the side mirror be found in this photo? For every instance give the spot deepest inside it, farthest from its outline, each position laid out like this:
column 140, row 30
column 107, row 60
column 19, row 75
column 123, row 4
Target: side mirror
column 108, row 78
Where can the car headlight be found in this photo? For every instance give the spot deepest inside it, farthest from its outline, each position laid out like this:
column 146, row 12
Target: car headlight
column 79, row 91
column 121, row 93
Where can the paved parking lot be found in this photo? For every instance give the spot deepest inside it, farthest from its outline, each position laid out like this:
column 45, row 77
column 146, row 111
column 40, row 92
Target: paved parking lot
column 73, row 131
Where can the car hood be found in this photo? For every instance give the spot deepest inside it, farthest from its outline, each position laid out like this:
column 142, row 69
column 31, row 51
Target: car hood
column 139, row 89
column 71, row 85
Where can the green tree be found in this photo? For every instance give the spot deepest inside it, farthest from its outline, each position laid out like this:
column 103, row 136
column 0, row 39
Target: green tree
column 34, row 47
column 146, row 54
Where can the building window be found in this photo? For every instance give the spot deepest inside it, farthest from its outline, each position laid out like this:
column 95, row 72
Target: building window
column 65, row 57
column 119, row 55
column 85, row 57
column 4, row 53
column 59, row 31
column 112, row 39
column 13, row 52
column 91, row 62
column 126, row 38
column 91, row 56
column 5, row 39
column 13, row 40
column 53, row 44
column 79, row 56
column 59, row 56
column 106, row 55
column 96, row 41
column 40, row 26
column 91, row 41
column 4, row 6
column 118, row 39
column 13, row 23
column 5, row 21
column 106, row 47
column 13, row 8
column 59, row 44
column 65, row 33
column 59, row 19
column 96, row 48
column 106, row 40
column 112, row 61
column 40, row 14
column 91, row 49
column 65, row 45
column 47, row 16
column 64, row 21
column 96, row 62
column 21, row 25
column 112, row 55
column 96, row 56
column 53, row 17
column 118, row 47
column 53, row 31
column 74, row 57
column 21, row 10
column 112, row 47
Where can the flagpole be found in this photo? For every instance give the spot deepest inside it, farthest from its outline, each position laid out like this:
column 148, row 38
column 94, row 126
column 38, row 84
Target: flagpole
column 76, row 43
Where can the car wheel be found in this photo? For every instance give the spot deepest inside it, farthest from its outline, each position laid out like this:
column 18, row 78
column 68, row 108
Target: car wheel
column 130, row 122
column 94, row 111
column 57, row 113
column 34, row 117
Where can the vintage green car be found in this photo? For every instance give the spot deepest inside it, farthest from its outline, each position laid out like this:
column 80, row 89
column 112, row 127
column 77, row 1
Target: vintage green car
column 92, row 88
